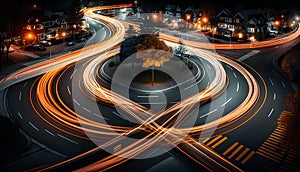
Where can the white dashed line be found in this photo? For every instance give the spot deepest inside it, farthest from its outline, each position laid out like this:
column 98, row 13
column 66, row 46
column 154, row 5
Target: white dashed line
column 99, row 116
column 148, row 96
column 188, row 87
column 20, row 96
column 73, row 73
column 283, row 84
column 72, row 141
column 75, row 101
column 274, row 96
column 33, row 126
column 237, row 87
column 119, row 115
column 271, row 112
column 229, row 67
column 234, row 75
column 208, row 84
column 274, row 73
column 68, row 88
column 271, row 81
column 86, row 110
column 208, row 113
column 20, row 115
column 49, row 132
column 226, row 102
column 208, row 67
column 25, row 84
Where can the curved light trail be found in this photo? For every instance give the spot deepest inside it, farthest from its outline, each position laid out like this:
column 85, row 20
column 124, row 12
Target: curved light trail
column 55, row 109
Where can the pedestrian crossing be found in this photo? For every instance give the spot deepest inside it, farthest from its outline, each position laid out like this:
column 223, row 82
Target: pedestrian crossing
column 236, row 151
column 272, row 147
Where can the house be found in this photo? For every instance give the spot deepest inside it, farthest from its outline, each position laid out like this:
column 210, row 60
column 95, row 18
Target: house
column 247, row 23
column 173, row 10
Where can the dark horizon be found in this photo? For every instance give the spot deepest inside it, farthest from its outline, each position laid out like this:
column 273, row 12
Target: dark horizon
column 15, row 10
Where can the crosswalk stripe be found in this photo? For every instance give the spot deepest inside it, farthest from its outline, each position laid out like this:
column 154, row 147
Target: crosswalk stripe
column 213, row 140
column 279, row 135
column 273, row 152
column 230, row 148
column 219, row 142
column 248, row 157
column 267, row 156
column 235, row 151
column 278, row 141
column 205, row 140
column 272, row 145
column 242, row 154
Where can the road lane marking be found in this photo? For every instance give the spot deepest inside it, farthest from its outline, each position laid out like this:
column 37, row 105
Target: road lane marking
column 33, row 126
column 72, row 141
column 75, row 101
column 229, row 67
column 274, row 96
column 248, row 157
column 226, row 102
column 235, row 151
column 237, row 87
column 274, row 72
column 20, row 96
column 271, row 81
column 219, row 142
column 208, row 84
column 208, row 113
column 230, row 148
column 25, row 84
column 148, row 96
column 208, row 66
column 73, row 73
column 283, row 84
column 242, row 154
column 213, row 140
column 119, row 115
column 234, row 74
column 271, row 112
column 99, row 116
column 246, row 56
column 49, row 132
column 20, row 115
column 188, row 87
column 68, row 88
column 84, row 108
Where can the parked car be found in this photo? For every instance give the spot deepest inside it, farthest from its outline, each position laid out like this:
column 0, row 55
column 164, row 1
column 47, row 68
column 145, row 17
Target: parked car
column 81, row 40
column 45, row 43
column 70, row 43
column 35, row 47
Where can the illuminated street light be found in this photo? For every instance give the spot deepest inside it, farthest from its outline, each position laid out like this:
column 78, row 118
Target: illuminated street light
column 240, row 35
column 297, row 18
column 205, row 20
column 277, row 23
column 64, row 36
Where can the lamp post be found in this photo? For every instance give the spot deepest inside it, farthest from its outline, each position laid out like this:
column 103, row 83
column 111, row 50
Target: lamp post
column 64, row 36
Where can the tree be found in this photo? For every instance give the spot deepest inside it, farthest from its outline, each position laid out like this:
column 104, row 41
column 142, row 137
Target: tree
column 153, row 52
column 180, row 50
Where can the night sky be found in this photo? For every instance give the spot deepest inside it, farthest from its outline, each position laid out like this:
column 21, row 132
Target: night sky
column 15, row 10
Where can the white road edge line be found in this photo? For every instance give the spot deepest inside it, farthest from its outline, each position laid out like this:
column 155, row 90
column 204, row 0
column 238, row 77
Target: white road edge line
column 72, row 141
column 73, row 73
column 33, row 126
column 208, row 113
column 271, row 112
column 188, row 87
column 226, row 102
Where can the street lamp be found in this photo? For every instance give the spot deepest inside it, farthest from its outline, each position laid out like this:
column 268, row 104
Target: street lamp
column 64, row 36
column 252, row 39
